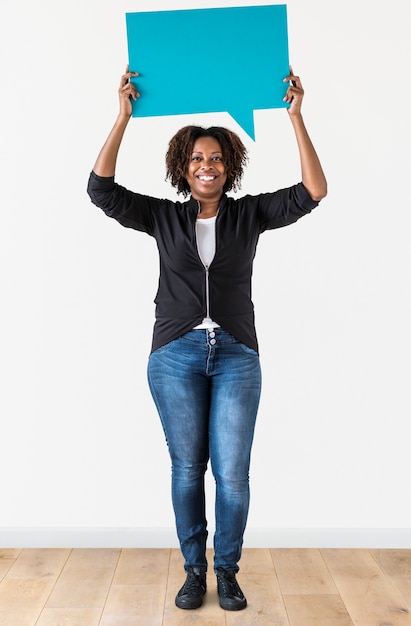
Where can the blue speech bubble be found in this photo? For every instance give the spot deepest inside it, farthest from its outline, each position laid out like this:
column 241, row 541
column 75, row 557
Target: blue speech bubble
column 209, row 60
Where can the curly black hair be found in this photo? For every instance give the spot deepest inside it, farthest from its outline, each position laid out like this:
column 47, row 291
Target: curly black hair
column 180, row 150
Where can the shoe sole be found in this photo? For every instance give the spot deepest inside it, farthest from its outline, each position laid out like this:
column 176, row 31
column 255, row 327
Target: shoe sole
column 233, row 606
column 189, row 606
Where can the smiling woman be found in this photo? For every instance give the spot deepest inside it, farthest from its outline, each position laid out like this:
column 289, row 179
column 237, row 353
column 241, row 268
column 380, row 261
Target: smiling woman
column 204, row 369
column 192, row 144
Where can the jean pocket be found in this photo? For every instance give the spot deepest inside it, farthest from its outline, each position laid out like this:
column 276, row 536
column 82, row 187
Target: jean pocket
column 164, row 348
column 248, row 350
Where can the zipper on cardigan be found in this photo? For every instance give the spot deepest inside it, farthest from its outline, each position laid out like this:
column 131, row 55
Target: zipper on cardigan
column 207, row 272
column 207, row 278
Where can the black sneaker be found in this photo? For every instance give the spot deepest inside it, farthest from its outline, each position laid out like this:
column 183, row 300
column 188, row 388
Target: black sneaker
column 231, row 596
column 191, row 593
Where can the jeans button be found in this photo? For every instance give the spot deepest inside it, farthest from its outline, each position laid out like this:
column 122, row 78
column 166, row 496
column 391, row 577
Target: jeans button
column 212, row 341
column 212, row 334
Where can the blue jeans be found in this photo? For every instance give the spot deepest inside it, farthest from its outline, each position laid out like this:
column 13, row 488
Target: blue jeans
column 206, row 386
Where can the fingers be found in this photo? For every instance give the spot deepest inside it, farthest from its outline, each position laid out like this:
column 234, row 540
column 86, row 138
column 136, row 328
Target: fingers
column 126, row 77
column 293, row 79
column 128, row 73
column 127, row 88
column 295, row 90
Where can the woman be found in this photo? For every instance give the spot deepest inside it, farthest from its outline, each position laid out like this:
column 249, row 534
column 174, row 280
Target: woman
column 204, row 371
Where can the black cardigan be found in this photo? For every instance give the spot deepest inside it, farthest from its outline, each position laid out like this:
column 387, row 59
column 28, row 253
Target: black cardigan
column 181, row 300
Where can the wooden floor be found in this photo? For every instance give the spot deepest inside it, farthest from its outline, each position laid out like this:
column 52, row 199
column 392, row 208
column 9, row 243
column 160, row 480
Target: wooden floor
column 284, row 587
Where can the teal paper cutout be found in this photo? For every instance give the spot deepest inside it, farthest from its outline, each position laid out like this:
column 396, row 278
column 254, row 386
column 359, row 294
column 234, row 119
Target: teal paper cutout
column 209, row 60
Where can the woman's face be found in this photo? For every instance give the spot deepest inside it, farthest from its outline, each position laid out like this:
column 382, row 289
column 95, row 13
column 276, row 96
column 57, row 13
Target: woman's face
column 206, row 171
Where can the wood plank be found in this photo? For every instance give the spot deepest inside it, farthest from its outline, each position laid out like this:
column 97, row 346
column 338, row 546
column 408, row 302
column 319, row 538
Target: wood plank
column 22, row 600
column 10, row 553
column 27, row 585
column 302, row 572
column 397, row 566
column 256, row 561
column 39, row 563
column 315, row 610
column 85, row 580
column 139, row 605
column 209, row 614
column 69, row 617
column 8, row 557
column 138, row 591
column 368, row 594
column 142, row 567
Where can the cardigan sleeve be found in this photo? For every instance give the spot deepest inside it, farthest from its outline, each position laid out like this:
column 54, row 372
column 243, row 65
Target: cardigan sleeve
column 284, row 207
column 130, row 209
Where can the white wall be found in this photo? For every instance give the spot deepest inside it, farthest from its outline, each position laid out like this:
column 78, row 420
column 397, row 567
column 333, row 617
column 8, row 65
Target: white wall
column 83, row 459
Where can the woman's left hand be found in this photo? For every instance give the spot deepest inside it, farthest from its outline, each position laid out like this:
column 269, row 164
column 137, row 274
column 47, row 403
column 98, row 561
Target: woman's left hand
column 295, row 93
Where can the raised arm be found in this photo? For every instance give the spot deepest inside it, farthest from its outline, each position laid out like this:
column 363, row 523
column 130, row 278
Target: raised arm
column 312, row 173
column 105, row 164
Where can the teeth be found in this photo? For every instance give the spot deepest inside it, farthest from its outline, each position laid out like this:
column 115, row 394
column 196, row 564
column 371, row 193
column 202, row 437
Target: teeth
column 206, row 177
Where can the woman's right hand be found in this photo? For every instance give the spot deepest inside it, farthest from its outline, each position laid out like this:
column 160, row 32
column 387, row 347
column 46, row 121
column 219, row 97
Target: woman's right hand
column 105, row 164
column 127, row 92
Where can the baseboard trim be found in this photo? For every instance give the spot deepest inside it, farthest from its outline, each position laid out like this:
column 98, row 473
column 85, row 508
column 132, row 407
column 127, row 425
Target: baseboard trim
column 166, row 538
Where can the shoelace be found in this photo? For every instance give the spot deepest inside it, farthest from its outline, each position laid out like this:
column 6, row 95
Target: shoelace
column 191, row 585
column 230, row 585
